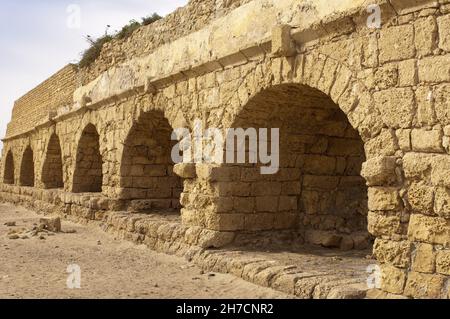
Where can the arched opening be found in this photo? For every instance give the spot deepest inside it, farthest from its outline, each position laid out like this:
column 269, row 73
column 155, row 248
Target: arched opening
column 88, row 176
column 27, row 168
column 8, row 174
column 147, row 177
column 318, row 189
column 52, row 171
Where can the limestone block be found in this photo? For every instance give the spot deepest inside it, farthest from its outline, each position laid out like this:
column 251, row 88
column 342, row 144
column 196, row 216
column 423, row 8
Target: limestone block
column 320, row 182
column 384, row 199
column 440, row 171
column 442, row 202
column 421, row 198
column 396, row 106
column 407, row 73
column 434, row 69
column 442, row 101
column 304, row 288
column 183, row 170
column 265, row 277
column 444, row 32
column 342, row 79
column 165, row 231
column 224, row 204
column 421, row 285
column 392, row 252
column 404, row 139
column 259, row 222
column 425, row 106
column 285, row 221
column 266, row 188
column 392, row 279
column 233, row 189
column 212, row 239
column 252, row 269
column 319, row 165
column 244, row 204
column 310, row 201
column 192, row 218
column 286, row 282
column 386, row 76
column 192, row 235
column 323, row 238
column 407, row 6
column 447, row 130
column 347, row 243
column 388, row 225
column 424, row 258
column 417, row 166
column 156, row 170
column 397, row 43
column 226, row 222
column 362, row 241
column 432, row 230
column 251, row 174
column 282, row 42
column 267, row 204
column 443, row 262
column 288, row 203
column 425, row 35
column 342, row 147
column 51, row 224
column 379, row 171
column 328, row 75
column 225, row 174
column 427, row 141
column 204, row 171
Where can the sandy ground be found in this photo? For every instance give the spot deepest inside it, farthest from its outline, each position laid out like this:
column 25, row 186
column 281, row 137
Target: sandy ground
column 37, row 268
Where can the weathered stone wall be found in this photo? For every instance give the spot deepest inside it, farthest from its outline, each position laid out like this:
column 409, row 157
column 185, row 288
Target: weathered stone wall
column 185, row 20
column 35, row 107
column 364, row 122
column 57, row 91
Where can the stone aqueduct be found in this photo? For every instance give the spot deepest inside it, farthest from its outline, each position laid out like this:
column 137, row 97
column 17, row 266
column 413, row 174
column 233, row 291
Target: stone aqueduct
column 364, row 118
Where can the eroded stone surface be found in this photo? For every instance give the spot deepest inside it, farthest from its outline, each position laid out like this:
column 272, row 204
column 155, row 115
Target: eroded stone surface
column 364, row 135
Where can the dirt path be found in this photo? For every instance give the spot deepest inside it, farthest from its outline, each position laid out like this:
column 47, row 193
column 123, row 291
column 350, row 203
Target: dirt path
column 37, row 268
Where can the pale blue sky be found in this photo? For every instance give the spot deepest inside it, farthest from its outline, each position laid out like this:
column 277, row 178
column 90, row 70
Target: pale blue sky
column 35, row 41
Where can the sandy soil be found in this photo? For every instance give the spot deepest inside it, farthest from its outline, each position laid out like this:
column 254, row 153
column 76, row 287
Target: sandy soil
column 37, row 268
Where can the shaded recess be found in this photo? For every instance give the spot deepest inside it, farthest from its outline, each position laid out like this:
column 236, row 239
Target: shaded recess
column 318, row 189
column 88, row 176
column 52, row 171
column 8, row 175
column 27, row 168
column 147, row 177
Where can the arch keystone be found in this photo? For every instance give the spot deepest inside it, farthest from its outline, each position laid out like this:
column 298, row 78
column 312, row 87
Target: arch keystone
column 283, row 45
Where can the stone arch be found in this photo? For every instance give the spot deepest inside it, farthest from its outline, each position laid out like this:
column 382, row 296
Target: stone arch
column 88, row 173
column 318, row 189
column 147, row 178
column 8, row 173
column 318, row 71
column 27, row 168
column 52, row 170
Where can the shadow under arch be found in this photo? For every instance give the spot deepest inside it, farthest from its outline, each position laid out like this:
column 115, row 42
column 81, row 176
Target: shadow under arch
column 88, row 174
column 8, row 173
column 52, row 169
column 146, row 172
column 318, row 190
column 27, row 168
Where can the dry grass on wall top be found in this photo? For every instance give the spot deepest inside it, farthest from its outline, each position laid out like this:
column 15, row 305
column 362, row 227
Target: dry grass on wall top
column 93, row 52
